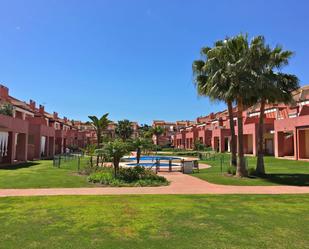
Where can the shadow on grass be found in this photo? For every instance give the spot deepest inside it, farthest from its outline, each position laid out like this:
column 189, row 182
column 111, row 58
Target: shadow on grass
column 18, row 166
column 288, row 179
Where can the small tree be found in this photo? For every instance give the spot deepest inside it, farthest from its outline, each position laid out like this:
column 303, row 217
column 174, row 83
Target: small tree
column 157, row 132
column 7, row 109
column 145, row 131
column 141, row 144
column 100, row 124
column 89, row 150
column 124, row 129
column 198, row 145
column 116, row 150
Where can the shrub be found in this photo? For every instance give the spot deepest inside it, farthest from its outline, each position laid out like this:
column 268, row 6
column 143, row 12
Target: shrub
column 137, row 176
column 105, row 178
column 6, row 109
column 231, row 170
column 251, row 171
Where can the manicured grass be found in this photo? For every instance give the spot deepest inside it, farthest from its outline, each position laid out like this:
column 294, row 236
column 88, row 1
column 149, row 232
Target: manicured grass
column 233, row 221
column 279, row 172
column 42, row 174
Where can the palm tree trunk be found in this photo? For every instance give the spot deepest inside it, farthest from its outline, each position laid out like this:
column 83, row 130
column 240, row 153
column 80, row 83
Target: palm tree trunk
column 233, row 137
column 260, row 169
column 91, row 164
column 98, row 144
column 138, row 155
column 241, row 170
column 116, row 166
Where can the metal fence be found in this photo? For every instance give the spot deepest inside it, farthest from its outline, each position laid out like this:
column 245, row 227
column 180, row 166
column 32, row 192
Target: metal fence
column 63, row 160
column 223, row 159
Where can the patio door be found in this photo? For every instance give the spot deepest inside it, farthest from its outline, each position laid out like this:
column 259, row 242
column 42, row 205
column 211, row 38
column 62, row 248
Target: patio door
column 269, row 146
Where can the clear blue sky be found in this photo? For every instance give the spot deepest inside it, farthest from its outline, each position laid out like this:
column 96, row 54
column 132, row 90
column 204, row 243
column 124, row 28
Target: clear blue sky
column 132, row 58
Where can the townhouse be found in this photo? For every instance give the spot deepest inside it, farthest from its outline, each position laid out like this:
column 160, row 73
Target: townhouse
column 286, row 129
column 28, row 132
column 168, row 137
column 292, row 127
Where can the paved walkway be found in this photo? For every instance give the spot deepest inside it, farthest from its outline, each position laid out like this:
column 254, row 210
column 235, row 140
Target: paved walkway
column 180, row 184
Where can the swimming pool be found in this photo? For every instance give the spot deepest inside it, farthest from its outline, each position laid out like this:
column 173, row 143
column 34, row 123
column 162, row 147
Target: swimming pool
column 154, row 158
column 149, row 164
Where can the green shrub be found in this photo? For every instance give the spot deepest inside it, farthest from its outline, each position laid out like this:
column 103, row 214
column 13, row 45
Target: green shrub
column 137, row 176
column 137, row 173
column 251, row 171
column 6, row 109
column 231, row 170
column 102, row 177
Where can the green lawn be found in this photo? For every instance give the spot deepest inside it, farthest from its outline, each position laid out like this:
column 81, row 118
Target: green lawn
column 167, row 221
column 279, row 172
column 42, row 174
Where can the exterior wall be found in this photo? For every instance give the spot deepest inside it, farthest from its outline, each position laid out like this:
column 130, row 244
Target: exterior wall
column 37, row 129
column 17, row 130
column 295, row 126
column 190, row 136
column 218, row 139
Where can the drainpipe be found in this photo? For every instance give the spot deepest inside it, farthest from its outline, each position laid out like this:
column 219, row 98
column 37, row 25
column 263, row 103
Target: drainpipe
column 296, row 144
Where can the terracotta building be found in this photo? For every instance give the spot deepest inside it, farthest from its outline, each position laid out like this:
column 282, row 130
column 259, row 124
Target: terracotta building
column 286, row 129
column 28, row 132
column 170, row 130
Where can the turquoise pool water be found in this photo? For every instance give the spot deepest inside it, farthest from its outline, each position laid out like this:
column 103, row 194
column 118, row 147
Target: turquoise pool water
column 154, row 158
column 150, row 164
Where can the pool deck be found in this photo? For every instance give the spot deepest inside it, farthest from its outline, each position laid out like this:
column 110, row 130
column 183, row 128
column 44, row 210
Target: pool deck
column 180, row 184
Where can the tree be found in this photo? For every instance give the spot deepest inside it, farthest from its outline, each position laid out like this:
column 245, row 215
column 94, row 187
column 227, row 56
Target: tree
column 7, row 109
column 100, row 124
column 137, row 144
column 90, row 151
column 271, row 86
column 157, row 131
column 124, row 129
column 145, row 131
column 116, row 150
column 212, row 79
column 242, row 89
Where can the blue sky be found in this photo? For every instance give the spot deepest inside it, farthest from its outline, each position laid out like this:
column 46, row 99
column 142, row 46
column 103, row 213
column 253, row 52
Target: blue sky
column 132, row 58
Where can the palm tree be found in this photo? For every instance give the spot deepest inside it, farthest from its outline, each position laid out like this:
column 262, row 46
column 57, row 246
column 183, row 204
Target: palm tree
column 100, row 124
column 157, row 131
column 124, row 129
column 212, row 80
column 116, row 150
column 242, row 89
column 271, row 86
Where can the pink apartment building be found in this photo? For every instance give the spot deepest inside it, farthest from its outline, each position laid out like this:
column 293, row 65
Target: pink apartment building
column 170, row 129
column 286, row 129
column 29, row 132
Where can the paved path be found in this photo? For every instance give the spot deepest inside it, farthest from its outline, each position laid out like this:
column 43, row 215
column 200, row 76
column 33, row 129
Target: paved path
column 180, row 184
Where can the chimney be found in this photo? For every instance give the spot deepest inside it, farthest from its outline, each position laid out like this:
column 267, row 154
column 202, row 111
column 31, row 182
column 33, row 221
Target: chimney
column 32, row 104
column 41, row 109
column 65, row 119
column 55, row 115
column 4, row 92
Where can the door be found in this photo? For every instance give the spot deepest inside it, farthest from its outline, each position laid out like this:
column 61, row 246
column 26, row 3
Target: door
column 269, row 146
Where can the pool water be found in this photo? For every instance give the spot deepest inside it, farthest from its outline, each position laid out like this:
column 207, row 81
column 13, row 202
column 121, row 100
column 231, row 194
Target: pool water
column 154, row 158
column 150, row 164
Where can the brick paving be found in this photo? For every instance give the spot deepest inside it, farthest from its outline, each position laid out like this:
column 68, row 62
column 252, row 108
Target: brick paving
column 180, row 184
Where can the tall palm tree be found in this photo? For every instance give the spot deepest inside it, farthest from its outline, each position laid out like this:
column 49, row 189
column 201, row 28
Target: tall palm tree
column 124, row 129
column 271, row 86
column 242, row 89
column 100, row 124
column 212, row 80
